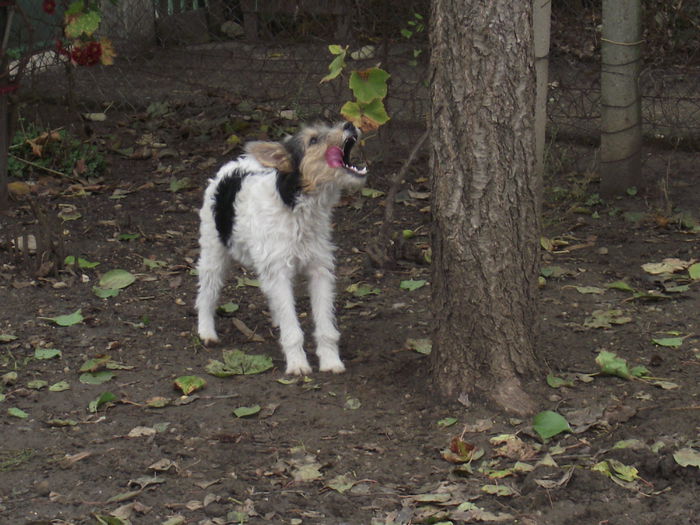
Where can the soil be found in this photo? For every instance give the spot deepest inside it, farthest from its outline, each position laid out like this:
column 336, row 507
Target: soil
column 367, row 446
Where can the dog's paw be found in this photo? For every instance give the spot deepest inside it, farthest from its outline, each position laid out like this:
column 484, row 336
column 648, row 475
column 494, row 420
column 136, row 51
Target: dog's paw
column 298, row 368
column 209, row 341
column 334, row 365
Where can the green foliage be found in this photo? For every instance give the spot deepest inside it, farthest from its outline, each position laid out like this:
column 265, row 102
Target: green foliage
column 549, row 423
column 35, row 149
column 369, row 87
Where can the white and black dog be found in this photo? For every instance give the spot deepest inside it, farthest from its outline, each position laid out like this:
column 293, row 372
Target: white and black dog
column 270, row 209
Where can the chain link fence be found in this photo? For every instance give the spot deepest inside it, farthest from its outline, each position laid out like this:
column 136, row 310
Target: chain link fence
column 274, row 53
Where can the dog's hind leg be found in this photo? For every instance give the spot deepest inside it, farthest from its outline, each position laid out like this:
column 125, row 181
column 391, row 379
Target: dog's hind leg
column 212, row 266
column 322, row 293
column 278, row 287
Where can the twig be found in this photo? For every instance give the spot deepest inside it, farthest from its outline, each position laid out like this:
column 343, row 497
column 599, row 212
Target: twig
column 49, row 170
column 377, row 251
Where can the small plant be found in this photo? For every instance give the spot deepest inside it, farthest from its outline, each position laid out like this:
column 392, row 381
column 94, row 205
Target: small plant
column 81, row 19
column 369, row 86
column 35, row 149
column 413, row 27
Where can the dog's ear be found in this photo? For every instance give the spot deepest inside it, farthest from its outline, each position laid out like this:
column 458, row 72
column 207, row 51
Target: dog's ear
column 271, row 155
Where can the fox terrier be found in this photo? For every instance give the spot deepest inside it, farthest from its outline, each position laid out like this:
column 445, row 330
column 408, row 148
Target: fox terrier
column 270, row 210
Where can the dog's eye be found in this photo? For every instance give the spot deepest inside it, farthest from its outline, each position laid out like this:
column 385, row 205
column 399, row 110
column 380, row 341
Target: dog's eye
column 313, row 140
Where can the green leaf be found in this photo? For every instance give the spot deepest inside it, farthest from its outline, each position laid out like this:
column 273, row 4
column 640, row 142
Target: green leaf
column 180, row 184
column 362, row 290
column 237, row 362
column 369, row 84
column 46, row 353
column 82, row 263
column 352, row 403
column 687, row 457
column 128, row 236
column 93, row 365
column 589, row 290
column 422, row 346
column 58, row 422
column 228, row 308
column 616, row 469
column 337, row 65
column 335, row 49
column 82, row 24
column 245, row 281
column 557, row 382
column 412, row 285
column 189, row 384
column 99, row 401
column 103, row 293
column 351, row 111
column 6, row 338
column 371, row 193
column 37, row 384
column 694, row 271
column 669, row 342
column 75, row 8
column 153, row 264
column 246, row 411
column 620, row 285
column 59, row 387
column 116, row 279
column 341, row 483
column 548, row 424
column 96, row 378
column 498, row 490
column 364, row 53
column 612, row 365
column 635, row 444
column 16, row 412
column 639, row 371
column 447, row 422
column 376, row 112
column 606, row 318
column 66, row 320
column 665, row 385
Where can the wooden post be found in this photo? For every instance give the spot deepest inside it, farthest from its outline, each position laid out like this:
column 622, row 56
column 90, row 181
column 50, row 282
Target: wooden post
column 621, row 107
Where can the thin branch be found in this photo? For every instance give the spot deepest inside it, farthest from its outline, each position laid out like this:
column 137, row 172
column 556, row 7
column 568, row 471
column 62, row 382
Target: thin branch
column 377, row 251
column 44, row 168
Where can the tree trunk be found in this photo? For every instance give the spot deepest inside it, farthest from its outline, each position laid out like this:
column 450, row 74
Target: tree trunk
column 621, row 108
column 486, row 201
column 541, row 21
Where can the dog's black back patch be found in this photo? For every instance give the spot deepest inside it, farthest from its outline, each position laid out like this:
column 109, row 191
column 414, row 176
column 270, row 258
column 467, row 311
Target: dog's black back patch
column 224, row 197
column 289, row 187
column 289, row 184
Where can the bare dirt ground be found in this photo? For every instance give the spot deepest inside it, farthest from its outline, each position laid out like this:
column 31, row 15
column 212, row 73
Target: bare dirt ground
column 368, row 446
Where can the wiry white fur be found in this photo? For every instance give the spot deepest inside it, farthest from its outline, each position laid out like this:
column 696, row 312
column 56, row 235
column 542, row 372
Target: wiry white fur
column 277, row 242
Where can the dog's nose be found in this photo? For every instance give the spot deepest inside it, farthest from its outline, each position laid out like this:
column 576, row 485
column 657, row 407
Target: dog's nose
column 349, row 127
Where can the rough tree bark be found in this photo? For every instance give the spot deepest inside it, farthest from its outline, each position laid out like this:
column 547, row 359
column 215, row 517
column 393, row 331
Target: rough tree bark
column 621, row 106
column 486, row 201
column 541, row 21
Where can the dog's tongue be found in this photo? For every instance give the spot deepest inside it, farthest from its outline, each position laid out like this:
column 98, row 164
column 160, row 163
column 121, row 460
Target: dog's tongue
column 334, row 157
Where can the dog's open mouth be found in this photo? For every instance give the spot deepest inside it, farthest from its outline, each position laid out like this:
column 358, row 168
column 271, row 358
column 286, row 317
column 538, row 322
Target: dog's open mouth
column 340, row 158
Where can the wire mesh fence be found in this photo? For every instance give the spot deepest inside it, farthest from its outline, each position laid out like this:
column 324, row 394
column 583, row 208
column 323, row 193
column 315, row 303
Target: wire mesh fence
column 274, row 53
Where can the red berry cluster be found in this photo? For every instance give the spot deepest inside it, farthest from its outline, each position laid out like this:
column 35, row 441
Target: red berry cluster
column 82, row 54
column 49, row 6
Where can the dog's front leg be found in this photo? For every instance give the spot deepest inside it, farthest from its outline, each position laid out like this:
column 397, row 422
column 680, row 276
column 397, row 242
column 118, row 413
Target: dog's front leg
column 322, row 292
column 278, row 287
column 212, row 266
